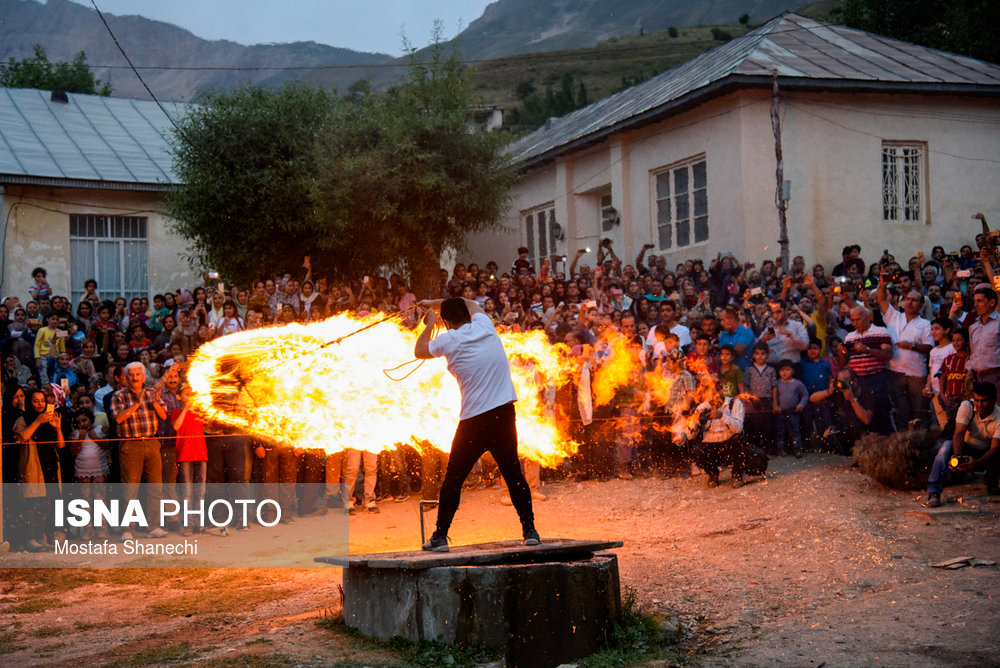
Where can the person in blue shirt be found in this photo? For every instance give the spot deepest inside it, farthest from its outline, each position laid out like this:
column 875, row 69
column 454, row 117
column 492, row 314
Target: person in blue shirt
column 740, row 337
column 817, row 375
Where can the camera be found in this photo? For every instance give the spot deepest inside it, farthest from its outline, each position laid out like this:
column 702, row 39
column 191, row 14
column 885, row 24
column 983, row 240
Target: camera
column 960, row 460
column 770, row 330
column 213, row 275
column 841, row 385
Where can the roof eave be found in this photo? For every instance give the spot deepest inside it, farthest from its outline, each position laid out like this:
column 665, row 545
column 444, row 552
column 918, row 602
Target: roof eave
column 23, row 180
column 753, row 81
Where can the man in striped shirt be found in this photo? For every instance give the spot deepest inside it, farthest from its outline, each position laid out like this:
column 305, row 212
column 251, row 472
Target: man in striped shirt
column 137, row 411
column 870, row 349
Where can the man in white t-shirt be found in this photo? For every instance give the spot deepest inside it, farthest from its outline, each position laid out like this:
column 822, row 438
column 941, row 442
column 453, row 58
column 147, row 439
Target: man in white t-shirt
column 477, row 359
column 911, row 343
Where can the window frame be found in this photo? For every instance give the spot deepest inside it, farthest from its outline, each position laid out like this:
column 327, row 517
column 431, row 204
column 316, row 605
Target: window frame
column 688, row 166
column 529, row 233
column 128, row 237
column 900, row 183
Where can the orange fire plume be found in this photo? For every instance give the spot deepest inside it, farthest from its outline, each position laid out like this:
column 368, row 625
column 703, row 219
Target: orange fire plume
column 285, row 384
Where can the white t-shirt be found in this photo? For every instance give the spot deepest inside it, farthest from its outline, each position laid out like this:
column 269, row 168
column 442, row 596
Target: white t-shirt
column 937, row 357
column 918, row 330
column 477, row 359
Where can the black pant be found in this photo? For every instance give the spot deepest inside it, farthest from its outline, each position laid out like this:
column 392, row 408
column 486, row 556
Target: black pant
column 495, row 432
column 710, row 456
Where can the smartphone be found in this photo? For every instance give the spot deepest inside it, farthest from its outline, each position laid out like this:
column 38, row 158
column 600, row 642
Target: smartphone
column 49, row 408
column 963, row 273
column 64, row 383
column 61, row 334
column 754, row 292
column 587, row 249
column 213, row 275
column 222, row 287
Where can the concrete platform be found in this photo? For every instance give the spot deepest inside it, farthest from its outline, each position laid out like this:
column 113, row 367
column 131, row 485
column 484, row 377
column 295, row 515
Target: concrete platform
column 544, row 605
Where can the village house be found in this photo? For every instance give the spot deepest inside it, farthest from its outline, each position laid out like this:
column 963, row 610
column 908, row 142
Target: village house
column 885, row 144
column 82, row 186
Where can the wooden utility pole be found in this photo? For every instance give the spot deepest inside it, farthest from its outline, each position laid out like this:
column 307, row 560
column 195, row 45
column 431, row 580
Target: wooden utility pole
column 779, row 196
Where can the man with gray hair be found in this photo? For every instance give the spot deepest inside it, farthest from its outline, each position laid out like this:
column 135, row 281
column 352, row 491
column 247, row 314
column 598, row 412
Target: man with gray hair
column 869, row 349
column 911, row 342
column 137, row 412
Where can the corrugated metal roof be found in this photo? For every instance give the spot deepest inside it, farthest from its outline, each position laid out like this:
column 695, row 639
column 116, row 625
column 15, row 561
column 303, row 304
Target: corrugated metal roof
column 804, row 52
column 89, row 139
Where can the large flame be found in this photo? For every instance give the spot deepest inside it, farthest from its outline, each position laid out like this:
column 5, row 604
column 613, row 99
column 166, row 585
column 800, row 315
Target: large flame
column 290, row 384
column 326, row 385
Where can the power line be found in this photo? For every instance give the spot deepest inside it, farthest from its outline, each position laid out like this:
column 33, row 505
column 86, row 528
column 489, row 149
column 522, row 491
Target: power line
column 543, row 55
column 139, row 76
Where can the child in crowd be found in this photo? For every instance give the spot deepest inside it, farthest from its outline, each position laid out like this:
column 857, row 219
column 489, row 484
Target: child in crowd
column 941, row 333
column 730, row 375
column 817, row 374
column 90, row 462
column 790, row 400
column 955, row 384
column 192, row 455
column 762, row 387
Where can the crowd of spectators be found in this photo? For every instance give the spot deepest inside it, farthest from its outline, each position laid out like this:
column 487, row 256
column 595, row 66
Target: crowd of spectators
column 723, row 353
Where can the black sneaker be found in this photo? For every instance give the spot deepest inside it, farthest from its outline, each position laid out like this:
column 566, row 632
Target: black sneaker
column 933, row 501
column 437, row 544
column 531, row 537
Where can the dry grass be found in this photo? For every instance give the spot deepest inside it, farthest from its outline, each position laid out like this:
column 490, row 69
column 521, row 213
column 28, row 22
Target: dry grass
column 900, row 461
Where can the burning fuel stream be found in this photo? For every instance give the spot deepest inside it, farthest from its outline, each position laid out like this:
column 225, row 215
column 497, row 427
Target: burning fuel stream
column 288, row 384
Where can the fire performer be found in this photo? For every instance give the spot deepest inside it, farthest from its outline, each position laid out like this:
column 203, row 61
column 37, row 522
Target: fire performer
column 477, row 359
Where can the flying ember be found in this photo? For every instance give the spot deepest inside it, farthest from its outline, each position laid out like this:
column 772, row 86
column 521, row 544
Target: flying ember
column 290, row 384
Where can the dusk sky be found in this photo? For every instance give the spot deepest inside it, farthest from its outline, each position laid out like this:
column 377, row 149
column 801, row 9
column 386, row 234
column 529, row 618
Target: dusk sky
column 374, row 25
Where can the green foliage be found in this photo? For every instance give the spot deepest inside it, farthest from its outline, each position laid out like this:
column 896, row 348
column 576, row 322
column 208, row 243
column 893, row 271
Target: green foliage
column 247, row 159
column 967, row 27
column 720, row 35
column 359, row 183
column 672, row 31
column 402, row 176
column 535, row 109
column 744, row 19
column 37, row 72
column 638, row 638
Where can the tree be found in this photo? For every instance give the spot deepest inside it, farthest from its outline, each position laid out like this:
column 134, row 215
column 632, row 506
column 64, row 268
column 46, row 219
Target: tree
column 358, row 183
column 38, row 72
column 967, row 27
column 402, row 177
column 744, row 19
column 247, row 159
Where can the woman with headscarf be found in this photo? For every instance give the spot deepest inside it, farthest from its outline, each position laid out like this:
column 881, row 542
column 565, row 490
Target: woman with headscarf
column 39, row 431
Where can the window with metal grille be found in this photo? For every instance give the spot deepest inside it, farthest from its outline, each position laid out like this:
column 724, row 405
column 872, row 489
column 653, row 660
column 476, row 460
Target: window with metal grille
column 903, row 191
column 113, row 250
column 539, row 234
column 681, row 204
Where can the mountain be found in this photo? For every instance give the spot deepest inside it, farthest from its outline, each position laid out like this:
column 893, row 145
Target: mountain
column 520, row 26
column 65, row 28
column 506, row 28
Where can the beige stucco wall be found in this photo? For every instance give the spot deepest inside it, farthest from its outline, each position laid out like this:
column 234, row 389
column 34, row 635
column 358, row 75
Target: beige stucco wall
column 832, row 156
column 37, row 234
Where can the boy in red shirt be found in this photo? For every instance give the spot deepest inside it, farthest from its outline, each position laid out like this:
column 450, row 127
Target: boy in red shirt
column 192, row 455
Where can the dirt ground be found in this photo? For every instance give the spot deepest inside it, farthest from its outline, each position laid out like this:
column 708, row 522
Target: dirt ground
column 814, row 565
